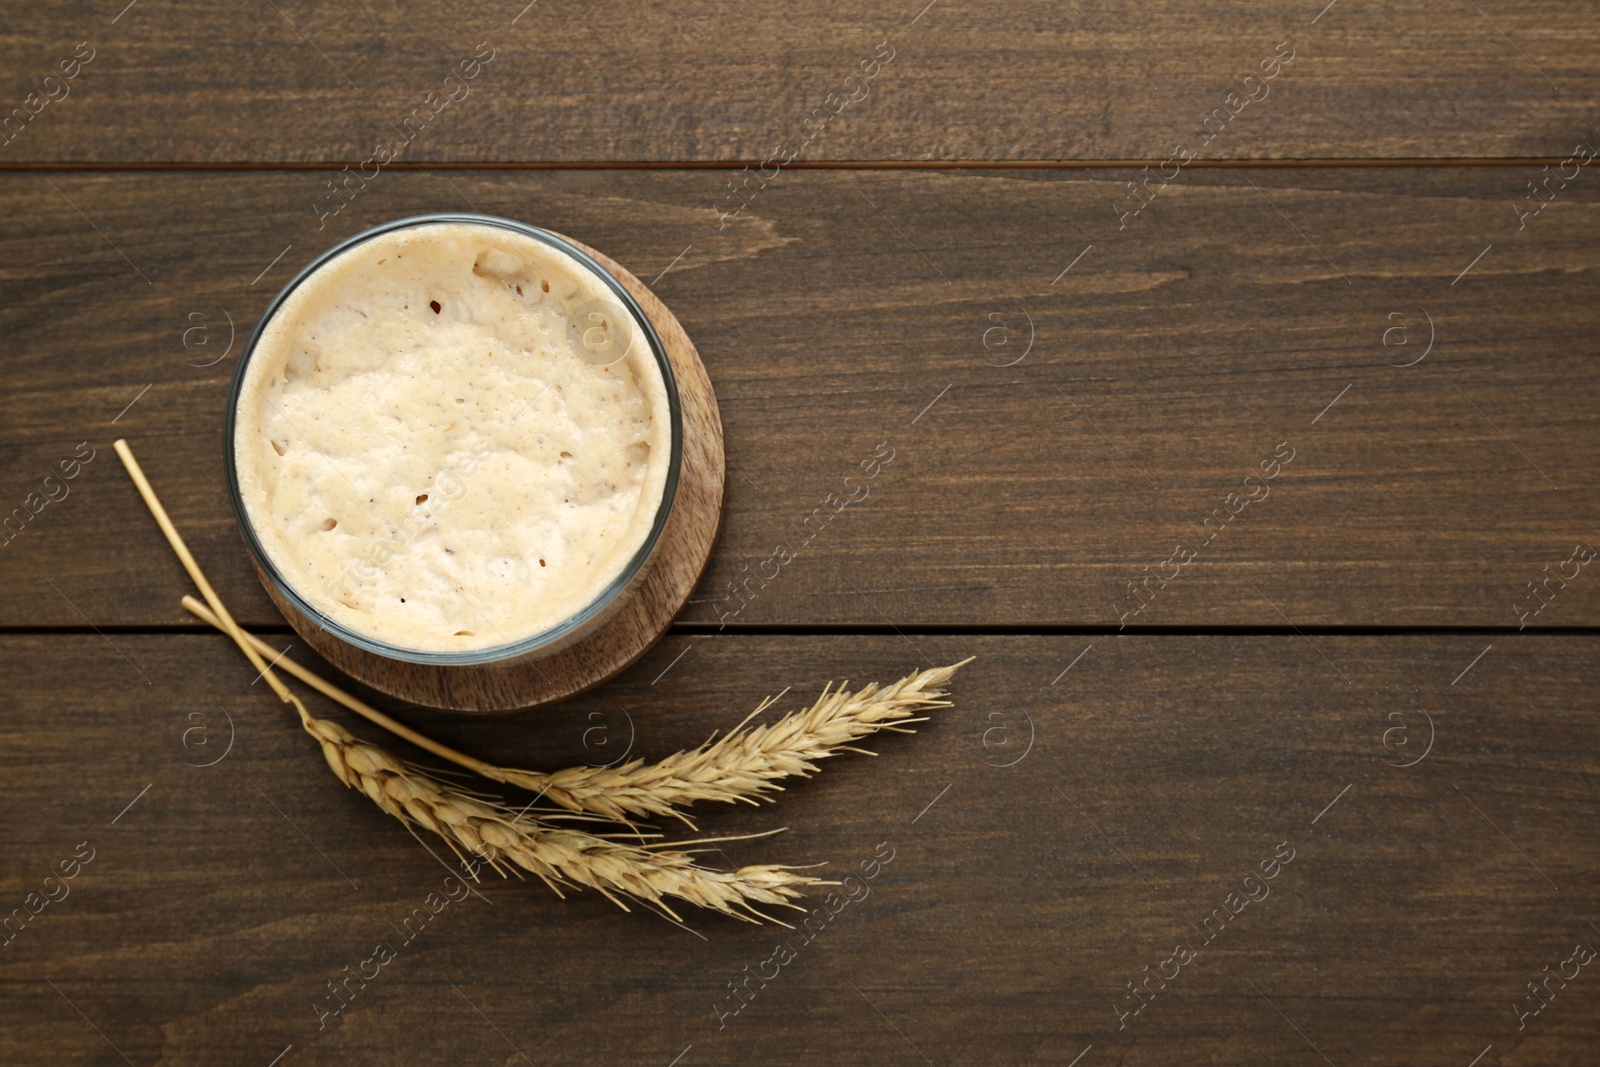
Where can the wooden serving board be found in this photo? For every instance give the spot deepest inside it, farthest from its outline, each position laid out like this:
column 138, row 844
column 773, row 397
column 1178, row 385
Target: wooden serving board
column 679, row 560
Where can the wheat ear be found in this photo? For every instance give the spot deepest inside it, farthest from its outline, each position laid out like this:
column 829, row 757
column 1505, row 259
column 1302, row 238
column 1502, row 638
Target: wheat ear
column 488, row 830
column 743, row 765
column 560, row 857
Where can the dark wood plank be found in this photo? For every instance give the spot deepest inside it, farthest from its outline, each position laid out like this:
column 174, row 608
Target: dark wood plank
column 1027, row 79
column 1241, row 310
column 1053, row 834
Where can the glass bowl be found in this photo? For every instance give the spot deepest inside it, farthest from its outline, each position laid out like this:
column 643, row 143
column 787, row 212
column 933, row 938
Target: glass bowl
column 546, row 642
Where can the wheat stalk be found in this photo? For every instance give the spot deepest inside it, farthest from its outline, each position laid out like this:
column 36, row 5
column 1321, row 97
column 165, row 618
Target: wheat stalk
column 559, row 856
column 743, row 765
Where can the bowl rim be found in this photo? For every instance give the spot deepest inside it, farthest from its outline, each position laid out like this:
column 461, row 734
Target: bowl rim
column 510, row 650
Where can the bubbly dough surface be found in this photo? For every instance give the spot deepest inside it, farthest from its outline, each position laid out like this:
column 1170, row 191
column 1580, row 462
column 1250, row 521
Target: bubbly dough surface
column 428, row 450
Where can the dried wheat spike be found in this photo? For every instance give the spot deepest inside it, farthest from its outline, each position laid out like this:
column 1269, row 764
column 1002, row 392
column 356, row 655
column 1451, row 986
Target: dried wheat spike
column 741, row 766
column 559, row 856
column 745, row 764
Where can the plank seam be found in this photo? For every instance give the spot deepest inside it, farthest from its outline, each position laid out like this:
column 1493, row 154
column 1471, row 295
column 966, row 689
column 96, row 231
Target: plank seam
column 67, row 166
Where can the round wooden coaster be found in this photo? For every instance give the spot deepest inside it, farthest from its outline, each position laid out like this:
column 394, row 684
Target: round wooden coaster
column 680, row 558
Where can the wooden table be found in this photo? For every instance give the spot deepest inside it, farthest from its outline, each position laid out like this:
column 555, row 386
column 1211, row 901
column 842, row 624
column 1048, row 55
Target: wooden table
column 1085, row 270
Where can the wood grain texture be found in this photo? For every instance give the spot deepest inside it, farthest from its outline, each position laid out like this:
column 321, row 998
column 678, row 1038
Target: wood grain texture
column 1026, row 79
column 849, row 313
column 1054, row 833
column 646, row 608
column 957, row 403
